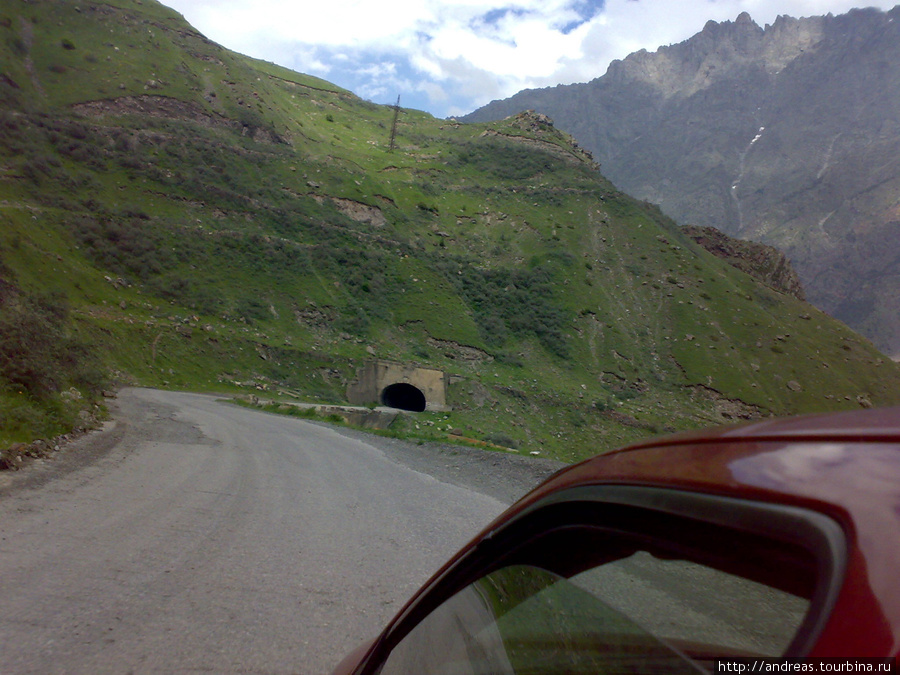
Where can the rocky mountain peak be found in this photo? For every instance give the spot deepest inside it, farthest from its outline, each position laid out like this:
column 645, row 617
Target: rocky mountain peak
column 719, row 51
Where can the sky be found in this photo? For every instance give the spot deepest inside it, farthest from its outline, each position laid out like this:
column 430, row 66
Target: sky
column 449, row 57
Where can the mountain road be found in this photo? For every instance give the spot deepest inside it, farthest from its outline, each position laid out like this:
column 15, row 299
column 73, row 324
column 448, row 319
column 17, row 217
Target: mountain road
column 192, row 535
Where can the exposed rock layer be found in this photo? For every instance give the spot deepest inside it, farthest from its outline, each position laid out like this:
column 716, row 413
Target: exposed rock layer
column 765, row 263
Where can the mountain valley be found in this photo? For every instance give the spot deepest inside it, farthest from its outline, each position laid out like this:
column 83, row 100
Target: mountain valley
column 176, row 215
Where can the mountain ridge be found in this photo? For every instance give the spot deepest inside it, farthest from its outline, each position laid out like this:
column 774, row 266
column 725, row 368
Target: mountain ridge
column 786, row 134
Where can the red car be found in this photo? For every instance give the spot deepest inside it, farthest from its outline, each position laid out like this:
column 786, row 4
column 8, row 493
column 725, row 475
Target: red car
column 774, row 539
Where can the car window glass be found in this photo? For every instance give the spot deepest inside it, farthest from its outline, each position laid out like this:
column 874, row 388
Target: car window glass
column 698, row 607
column 635, row 613
column 523, row 619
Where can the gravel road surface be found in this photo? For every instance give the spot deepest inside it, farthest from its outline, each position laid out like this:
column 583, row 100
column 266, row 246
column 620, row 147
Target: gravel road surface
column 195, row 536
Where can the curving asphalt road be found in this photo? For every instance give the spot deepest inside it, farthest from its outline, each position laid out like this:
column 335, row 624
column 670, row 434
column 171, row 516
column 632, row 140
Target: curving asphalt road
column 193, row 536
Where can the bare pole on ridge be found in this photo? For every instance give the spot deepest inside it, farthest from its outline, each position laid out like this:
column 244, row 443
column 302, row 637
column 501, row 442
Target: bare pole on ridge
column 394, row 125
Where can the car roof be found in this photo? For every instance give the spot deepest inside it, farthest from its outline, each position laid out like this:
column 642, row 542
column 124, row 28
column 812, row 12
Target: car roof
column 787, row 459
column 875, row 424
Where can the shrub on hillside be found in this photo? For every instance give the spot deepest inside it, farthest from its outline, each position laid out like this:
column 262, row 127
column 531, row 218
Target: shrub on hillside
column 125, row 246
column 507, row 160
column 37, row 353
column 251, row 310
column 186, row 292
column 515, row 302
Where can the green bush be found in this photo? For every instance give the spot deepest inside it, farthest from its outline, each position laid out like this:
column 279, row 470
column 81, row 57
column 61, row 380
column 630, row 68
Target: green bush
column 515, row 302
column 186, row 292
column 500, row 439
column 21, row 420
column 124, row 244
column 251, row 310
column 507, row 160
column 38, row 356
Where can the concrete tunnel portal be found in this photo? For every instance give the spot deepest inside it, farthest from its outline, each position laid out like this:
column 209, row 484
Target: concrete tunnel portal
column 399, row 385
column 404, row 396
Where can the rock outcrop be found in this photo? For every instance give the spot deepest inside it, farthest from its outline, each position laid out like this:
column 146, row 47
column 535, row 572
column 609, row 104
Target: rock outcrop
column 762, row 262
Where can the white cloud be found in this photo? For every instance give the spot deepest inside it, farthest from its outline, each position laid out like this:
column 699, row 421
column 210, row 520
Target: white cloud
column 453, row 55
column 433, row 91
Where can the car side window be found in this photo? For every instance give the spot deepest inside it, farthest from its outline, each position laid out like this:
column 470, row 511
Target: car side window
column 700, row 610
column 523, row 619
column 666, row 584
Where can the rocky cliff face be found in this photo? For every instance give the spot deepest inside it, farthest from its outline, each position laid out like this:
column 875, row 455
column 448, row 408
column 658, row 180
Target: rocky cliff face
column 764, row 263
column 787, row 134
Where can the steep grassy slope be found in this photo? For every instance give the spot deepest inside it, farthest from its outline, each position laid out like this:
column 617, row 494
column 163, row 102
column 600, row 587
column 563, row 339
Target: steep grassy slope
column 216, row 223
column 785, row 134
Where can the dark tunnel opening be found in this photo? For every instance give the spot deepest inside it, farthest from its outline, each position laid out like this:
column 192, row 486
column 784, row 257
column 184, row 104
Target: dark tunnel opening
column 403, row 396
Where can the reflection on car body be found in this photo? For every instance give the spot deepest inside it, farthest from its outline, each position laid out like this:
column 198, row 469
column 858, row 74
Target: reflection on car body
column 770, row 539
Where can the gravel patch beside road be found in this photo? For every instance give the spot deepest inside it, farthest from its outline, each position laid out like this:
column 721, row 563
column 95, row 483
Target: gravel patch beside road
column 502, row 475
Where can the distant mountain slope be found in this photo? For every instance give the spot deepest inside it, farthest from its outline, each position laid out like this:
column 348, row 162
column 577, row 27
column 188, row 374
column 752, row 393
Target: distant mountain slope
column 182, row 216
column 788, row 134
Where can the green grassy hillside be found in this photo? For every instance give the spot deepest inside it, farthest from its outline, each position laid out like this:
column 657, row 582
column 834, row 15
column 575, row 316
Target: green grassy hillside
column 180, row 216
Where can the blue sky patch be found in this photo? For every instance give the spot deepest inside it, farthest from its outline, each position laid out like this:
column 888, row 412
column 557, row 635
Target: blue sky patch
column 585, row 10
column 493, row 17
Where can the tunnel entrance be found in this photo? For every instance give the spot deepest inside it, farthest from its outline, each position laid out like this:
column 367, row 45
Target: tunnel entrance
column 399, row 385
column 403, row 396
